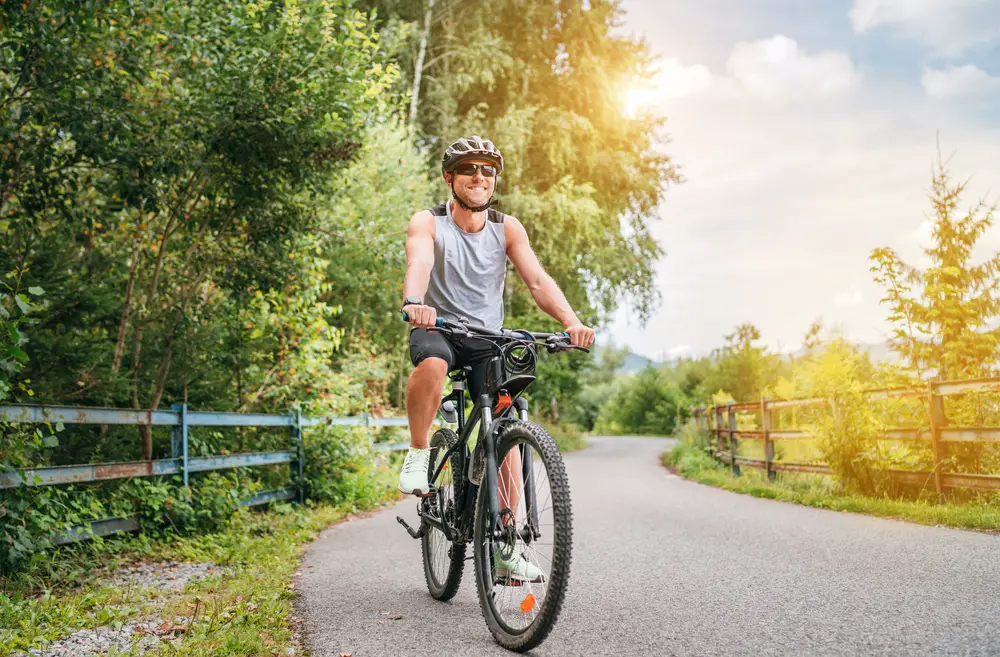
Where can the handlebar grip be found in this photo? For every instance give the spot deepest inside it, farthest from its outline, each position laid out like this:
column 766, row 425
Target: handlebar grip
column 439, row 323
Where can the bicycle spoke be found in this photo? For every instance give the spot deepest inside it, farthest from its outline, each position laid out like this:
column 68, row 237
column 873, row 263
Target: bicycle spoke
column 517, row 600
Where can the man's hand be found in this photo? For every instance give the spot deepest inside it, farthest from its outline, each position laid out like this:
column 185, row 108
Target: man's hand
column 580, row 335
column 420, row 316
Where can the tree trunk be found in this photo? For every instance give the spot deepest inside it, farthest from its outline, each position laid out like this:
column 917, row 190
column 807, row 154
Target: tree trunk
column 418, row 68
column 127, row 309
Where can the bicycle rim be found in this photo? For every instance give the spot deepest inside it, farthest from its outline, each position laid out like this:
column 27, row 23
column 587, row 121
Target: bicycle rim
column 521, row 609
column 443, row 560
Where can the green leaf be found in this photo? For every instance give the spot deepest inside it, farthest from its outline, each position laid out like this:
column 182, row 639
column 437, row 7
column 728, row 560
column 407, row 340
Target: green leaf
column 22, row 303
column 37, row 291
column 50, row 441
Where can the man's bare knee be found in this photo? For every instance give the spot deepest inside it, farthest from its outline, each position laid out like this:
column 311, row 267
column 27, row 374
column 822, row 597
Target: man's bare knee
column 432, row 368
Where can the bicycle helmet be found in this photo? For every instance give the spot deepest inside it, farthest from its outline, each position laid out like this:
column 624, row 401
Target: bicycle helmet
column 471, row 148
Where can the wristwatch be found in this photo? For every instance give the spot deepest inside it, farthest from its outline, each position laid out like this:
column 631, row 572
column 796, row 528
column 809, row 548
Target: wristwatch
column 417, row 301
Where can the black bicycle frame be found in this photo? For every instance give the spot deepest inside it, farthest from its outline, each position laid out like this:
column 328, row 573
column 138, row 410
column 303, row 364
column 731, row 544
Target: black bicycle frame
column 483, row 410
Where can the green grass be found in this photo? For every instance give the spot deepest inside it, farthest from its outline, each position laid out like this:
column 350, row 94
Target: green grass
column 691, row 462
column 247, row 611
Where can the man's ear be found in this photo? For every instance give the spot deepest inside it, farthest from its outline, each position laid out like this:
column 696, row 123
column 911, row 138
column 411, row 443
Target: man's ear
column 447, row 179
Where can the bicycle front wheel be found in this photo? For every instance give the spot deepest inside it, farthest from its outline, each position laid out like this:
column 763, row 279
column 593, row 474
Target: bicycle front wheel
column 522, row 568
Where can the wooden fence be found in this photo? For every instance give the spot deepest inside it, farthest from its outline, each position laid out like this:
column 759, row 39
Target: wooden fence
column 721, row 421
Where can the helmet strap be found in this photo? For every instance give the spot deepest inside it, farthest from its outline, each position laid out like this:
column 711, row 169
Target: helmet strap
column 471, row 208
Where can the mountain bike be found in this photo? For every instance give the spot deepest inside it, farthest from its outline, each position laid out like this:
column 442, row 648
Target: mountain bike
column 508, row 498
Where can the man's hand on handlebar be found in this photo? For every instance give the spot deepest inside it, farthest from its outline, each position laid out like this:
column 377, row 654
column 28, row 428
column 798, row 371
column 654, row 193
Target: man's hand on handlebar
column 420, row 316
column 580, row 335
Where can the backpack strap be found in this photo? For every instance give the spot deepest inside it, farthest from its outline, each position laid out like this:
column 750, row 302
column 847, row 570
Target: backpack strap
column 439, row 210
column 495, row 216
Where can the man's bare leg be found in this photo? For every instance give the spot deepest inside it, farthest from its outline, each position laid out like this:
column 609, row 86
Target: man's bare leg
column 423, row 397
column 510, row 482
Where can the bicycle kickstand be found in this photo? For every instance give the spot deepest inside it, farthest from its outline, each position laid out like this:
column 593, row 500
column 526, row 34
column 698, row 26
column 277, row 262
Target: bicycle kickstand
column 418, row 533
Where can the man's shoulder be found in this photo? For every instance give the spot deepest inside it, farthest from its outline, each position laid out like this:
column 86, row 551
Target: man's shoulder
column 422, row 222
column 510, row 222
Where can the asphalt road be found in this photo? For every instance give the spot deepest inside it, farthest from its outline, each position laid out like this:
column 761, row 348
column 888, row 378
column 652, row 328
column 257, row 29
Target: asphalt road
column 664, row 566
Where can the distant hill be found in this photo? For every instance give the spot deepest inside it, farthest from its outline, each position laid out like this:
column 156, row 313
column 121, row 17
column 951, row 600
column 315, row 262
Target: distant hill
column 879, row 352
column 633, row 362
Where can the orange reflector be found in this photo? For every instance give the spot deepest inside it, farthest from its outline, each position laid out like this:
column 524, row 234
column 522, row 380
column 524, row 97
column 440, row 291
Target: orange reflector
column 528, row 603
column 503, row 403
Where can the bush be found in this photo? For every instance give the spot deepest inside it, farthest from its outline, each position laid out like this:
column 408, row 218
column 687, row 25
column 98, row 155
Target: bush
column 646, row 404
column 342, row 468
column 567, row 436
column 690, row 454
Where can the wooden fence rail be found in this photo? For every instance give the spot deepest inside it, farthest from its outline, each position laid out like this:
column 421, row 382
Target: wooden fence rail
column 721, row 421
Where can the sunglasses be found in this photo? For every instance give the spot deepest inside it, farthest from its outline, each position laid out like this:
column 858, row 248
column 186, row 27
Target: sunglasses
column 469, row 169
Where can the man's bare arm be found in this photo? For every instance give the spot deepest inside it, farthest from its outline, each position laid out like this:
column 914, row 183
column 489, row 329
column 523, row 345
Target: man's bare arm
column 543, row 288
column 419, row 262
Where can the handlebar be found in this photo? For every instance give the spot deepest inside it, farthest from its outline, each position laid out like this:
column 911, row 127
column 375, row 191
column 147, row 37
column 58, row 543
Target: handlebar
column 551, row 340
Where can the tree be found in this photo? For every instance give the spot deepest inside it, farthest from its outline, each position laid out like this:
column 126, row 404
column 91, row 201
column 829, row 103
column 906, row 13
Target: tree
column 943, row 315
column 167, row 161
column 544, row 80
column 740, row 368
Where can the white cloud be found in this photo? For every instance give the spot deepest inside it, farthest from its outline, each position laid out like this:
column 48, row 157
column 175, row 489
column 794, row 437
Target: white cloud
column 777, row 69
column 967, row 80
column 949, row 27
column 677, row 81
column 774, row 70
column 782, row 206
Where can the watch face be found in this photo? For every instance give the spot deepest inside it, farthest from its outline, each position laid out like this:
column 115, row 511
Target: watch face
column 414, row 300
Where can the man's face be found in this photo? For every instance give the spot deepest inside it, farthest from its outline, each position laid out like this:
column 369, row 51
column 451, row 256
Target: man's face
column 474, row 190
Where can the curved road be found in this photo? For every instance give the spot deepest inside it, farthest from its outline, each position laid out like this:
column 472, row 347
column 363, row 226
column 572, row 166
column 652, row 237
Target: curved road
column 664, row 566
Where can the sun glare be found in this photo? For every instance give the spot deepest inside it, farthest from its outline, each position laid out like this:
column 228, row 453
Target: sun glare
column 672, row 81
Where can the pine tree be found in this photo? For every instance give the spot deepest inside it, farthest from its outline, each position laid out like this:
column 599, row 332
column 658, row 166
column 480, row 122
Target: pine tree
column 943, row 315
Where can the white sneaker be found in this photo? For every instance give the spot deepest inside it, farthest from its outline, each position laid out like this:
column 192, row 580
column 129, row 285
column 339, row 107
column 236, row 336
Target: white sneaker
column 517, row 568
column 413, row 474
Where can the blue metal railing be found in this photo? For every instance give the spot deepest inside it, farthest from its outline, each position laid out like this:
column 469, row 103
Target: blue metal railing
column 180, row 420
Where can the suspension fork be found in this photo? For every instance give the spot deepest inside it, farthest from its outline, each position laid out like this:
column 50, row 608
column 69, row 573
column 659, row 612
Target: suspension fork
column 530, row 532
column 490, row 477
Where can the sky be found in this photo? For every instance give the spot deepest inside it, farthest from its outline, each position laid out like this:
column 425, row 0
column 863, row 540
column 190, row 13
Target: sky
column 806, row 131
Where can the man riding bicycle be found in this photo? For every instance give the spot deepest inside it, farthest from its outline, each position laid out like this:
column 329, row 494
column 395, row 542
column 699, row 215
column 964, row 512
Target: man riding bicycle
column 456, row 263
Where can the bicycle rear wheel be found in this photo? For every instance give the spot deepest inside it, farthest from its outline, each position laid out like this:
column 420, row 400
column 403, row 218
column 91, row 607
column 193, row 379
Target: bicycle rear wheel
column 522, row 576
column 444, row 561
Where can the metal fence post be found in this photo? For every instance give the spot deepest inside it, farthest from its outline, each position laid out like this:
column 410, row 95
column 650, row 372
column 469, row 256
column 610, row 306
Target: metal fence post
column 733, row 446
column 296, row 466
column 935, row 407
column 176, row 442
column 765, row 421
column 184, row 442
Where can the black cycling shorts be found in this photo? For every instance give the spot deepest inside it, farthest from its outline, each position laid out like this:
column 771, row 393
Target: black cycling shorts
column 457, row 352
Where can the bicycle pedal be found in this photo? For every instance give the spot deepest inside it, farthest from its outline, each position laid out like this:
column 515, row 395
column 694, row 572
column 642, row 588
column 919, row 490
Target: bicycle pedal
column 508, row 582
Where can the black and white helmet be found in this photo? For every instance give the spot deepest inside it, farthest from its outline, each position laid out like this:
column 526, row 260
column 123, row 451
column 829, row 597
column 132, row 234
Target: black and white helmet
column 471, row 148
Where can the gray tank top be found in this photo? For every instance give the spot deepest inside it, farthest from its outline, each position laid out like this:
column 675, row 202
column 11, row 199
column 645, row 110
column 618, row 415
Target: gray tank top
column 467, row 279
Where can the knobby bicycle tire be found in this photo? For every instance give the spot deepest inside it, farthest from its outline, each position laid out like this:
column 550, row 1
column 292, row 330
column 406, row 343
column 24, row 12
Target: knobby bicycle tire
column 443, row 588
column 558, row 578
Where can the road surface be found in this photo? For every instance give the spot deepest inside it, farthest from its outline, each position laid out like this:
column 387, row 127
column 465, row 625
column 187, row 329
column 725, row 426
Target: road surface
column 664, row 566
